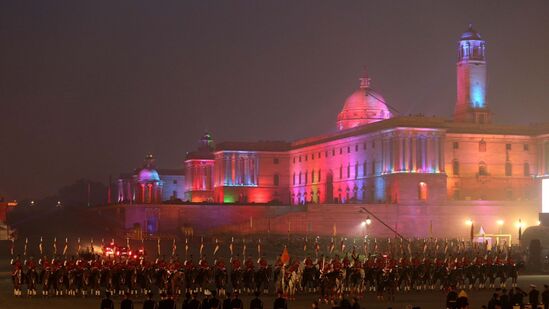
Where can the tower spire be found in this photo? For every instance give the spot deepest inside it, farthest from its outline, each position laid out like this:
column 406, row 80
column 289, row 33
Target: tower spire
column 365, row 79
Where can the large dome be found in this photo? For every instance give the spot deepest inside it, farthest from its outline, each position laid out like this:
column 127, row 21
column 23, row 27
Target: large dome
column 148, row 175
column 362, row 107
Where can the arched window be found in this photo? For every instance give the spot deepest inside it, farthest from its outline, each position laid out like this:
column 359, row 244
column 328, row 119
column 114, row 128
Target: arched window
column 340, row 172
column 526, row 169
column 365, row 169
column 482, row 146
column 313, row 176
column 508, row 169
column 455, row 167
column 482, row 169
column 299, row 181
column 422, row 191
column 293, row 176
column 276, row 179
column 373, row 167
column 348, row 170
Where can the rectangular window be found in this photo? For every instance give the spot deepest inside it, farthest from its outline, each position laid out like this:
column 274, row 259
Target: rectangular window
column 275, row 161
column 294, row 160
column 348, row 171
column 293, row 181
column 318, row 157
column 348, row 149
column 175, row 182
column 333, row 152
column 526, row 147
column 456, row 145
column 313, row 176
column 507, row 146
column 340, row 172
column 373, row 167
column 508, row 169
column 306, row 157
column 306, row 177
column 275, row 180
column 299, row 158
column 364, row 146
column 482, row 146
column 340, row 150
column 356, row 147
column 526, row 169
column 365, row 169
column 356, row 171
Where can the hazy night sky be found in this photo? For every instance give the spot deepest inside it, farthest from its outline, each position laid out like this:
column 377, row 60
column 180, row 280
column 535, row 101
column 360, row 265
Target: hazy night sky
column 88, row 88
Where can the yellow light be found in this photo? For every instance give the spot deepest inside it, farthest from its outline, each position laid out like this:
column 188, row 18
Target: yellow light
column 469, row 222
column 520, row 224
column 500, row 222
column 538, row 222
column 363, row 223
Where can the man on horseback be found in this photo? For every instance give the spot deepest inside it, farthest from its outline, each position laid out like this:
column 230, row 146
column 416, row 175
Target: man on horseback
column 32, row 275
column 17, row 275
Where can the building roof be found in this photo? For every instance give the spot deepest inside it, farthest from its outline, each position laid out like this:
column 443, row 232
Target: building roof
column 470, row 34
column 425, row 122
column 254, row 146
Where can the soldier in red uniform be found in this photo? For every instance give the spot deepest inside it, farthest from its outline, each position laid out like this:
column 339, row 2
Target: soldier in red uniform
column 203, row 263
column 189, row 264
column 236, row 263
column 262, row 262
column 17, row 275
column 336, row 264
column 249, row 264
column 308, row 262
column 346, row 262
column 220, row 264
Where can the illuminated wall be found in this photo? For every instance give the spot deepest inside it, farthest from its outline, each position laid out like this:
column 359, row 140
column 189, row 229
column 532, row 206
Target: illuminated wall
column 251, row 177
column 199, row 180
column 545, row 196
column 355, row 169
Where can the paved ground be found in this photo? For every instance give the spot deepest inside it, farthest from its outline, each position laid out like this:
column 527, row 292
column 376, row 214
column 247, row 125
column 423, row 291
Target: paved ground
column 426, row 300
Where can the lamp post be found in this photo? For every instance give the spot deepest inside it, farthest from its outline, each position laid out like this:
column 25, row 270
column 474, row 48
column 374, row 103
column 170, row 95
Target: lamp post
column 365, row 224
column 520, row 225
column 500, row 226
column 470, row 223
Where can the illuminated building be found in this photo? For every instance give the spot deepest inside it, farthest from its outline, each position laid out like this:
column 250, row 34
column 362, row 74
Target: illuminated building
column 380, row 158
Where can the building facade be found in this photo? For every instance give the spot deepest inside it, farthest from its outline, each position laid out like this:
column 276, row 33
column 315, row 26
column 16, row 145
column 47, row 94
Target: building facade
column 377, row 157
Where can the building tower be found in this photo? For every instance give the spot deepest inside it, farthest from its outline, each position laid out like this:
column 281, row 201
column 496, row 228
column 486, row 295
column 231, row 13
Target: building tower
column 471, row 103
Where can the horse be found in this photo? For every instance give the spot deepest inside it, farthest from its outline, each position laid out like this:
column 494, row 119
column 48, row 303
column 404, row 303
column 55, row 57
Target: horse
column 85, row 281
column 72, row 282
column 236, row 279
column 32, row 280
column 59, row 282
column 262, row 279
column 291, row 284
column 310, row 277
column 203, row 279
column 95, row 281
column 220, row 280
column 175, row 282
column 330, row 285
column 248, row 280
column 17, row 280
column 45, row 278
column 134, row 281
column 387, row 283
column 356, row 280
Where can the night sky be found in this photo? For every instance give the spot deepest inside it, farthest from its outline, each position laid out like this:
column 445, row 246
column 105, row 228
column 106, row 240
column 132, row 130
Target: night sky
column 87, row 88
